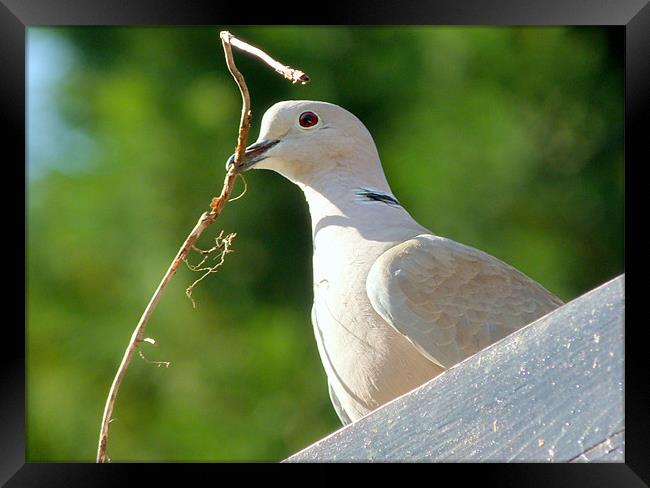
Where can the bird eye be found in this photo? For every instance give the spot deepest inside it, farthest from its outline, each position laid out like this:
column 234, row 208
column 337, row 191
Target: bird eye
column 308, row 119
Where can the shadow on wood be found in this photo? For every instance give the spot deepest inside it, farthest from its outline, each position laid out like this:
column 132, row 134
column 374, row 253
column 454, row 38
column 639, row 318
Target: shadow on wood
column 552, row 391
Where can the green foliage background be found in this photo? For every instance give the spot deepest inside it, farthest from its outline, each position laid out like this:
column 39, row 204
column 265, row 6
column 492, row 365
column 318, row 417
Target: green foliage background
column 507, row 139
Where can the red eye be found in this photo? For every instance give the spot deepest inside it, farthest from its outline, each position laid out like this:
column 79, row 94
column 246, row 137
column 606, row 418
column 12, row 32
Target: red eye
column 308, row 119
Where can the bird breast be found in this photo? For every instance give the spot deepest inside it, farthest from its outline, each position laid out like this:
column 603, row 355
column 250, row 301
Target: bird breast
column 366, row 360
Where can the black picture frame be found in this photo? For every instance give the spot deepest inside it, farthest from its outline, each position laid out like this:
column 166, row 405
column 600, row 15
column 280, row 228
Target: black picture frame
column 632, row 16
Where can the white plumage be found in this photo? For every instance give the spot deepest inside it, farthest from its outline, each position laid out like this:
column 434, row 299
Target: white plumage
column 394, row 304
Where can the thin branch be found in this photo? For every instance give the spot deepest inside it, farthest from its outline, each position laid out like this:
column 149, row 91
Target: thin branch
column 204, row 221
column 245, row 120
column 291, row 74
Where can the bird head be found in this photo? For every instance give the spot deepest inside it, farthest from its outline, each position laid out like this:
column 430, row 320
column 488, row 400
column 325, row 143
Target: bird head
column 303, row 139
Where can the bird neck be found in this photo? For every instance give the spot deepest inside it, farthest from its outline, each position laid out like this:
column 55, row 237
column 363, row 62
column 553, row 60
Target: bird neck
column 344, row 206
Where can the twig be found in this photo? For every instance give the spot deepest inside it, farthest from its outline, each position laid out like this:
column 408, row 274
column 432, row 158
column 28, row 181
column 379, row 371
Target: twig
column 291, row 74
column 245, row 120
column 204, row 221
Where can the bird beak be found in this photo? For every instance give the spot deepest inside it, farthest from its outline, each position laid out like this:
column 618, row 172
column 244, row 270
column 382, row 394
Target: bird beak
column 254, row 153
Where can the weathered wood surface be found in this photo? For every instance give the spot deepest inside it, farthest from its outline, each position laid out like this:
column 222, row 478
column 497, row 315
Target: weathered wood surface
column 552, row 391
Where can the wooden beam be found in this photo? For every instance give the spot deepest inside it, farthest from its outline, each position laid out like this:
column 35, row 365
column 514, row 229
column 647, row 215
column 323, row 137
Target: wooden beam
column 552, row 391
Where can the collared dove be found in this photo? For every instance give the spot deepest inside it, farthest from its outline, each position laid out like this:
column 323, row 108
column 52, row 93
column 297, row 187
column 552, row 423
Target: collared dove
column 394, row 304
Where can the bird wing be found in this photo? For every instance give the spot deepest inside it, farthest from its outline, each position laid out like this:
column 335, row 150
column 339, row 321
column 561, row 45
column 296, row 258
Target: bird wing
column 452, row 300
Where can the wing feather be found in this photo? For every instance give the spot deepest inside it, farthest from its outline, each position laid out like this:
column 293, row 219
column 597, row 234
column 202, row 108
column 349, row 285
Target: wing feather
column 452, row 300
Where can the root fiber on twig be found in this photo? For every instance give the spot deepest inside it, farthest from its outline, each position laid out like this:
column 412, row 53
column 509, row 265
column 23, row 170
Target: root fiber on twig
column 223, row 245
